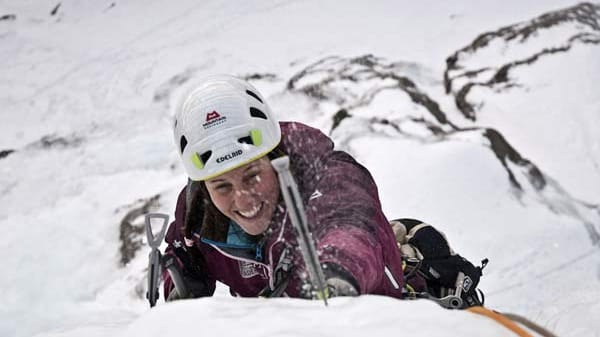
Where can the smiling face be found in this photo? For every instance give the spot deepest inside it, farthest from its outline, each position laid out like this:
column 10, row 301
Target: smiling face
column 247, row 195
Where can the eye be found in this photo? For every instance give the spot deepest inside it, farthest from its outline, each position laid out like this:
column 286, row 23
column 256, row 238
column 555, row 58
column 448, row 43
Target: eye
column 224, row 187
column 221, row 188
column 253, row 177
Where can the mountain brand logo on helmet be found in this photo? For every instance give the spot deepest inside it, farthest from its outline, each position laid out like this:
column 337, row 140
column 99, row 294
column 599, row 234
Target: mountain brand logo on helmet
column 229, row 156
column 212, row 115
column 213, row 119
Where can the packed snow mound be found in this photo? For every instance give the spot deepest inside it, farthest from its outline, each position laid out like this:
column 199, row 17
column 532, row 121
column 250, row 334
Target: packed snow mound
column 344, row 316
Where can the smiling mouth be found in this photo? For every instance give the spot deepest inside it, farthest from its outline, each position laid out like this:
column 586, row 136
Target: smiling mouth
column 251, row 213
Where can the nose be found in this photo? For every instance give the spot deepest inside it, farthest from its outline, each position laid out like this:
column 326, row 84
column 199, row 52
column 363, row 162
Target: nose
column 244, row 199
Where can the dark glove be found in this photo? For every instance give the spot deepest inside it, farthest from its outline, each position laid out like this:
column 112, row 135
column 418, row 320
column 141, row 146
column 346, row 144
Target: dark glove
column 173, row 295
column 339, row 281
column 339, row 287
column 194, row 287
column 185, row 285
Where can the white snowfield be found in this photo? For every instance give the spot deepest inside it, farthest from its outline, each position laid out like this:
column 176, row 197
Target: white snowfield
column 85, row 138
column 372, row 315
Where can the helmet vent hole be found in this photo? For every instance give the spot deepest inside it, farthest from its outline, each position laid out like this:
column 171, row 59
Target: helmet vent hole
column 254, row 95
column 205, row 156
column 246, row 140
column 182, row 143
column 254, row 112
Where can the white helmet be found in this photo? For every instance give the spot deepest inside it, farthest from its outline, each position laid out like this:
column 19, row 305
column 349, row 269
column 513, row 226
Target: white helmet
column 223, row 123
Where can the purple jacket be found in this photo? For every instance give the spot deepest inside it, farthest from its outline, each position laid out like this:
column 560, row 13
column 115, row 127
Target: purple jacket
column 344, row 213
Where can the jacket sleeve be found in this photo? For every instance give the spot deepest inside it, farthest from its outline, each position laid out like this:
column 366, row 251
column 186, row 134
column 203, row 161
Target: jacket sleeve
column 189, row 259
column 343, row 210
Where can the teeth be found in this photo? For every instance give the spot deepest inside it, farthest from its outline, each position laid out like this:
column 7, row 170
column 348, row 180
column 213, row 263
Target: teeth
column 251, row 213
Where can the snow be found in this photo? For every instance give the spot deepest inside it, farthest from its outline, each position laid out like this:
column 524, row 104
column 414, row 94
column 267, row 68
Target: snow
column 342, row 317
column 538, row 120
column 99, row 76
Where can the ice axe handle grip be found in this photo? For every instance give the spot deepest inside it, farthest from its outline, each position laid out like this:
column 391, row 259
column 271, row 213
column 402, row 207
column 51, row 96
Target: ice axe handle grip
column 154, row 259
column 155, row 241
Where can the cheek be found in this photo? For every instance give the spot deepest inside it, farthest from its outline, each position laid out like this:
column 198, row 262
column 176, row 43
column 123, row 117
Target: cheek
column 271, row 189
column 221, row 202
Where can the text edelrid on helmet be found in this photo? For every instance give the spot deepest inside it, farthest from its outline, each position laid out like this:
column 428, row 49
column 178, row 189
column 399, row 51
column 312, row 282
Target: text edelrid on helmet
column 213, row 119
column 229, row 156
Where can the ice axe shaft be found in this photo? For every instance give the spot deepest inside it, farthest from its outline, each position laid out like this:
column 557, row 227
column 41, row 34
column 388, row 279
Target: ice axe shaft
column 295, row 208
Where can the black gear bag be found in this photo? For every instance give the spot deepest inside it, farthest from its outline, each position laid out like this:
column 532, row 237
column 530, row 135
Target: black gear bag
column 451, row 279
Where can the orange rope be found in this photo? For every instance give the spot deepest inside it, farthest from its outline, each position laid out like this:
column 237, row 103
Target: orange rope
column 500, row 319
column 520, row 319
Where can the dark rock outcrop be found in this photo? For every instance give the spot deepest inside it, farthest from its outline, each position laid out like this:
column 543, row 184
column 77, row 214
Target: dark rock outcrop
column 5, row 153
column 131, row 229
column 581, row 22
column 54, row 141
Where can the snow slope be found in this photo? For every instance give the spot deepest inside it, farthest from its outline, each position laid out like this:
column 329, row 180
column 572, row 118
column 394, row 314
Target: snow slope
column 85, row 140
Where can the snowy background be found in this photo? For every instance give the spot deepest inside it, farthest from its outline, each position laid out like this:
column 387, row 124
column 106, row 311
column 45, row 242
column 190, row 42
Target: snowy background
column 480, row 118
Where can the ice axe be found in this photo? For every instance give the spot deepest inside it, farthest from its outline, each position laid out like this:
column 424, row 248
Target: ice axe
column 295, row 208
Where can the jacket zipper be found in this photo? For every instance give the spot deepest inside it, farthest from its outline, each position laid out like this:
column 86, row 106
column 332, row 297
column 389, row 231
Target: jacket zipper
column 269, row 266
